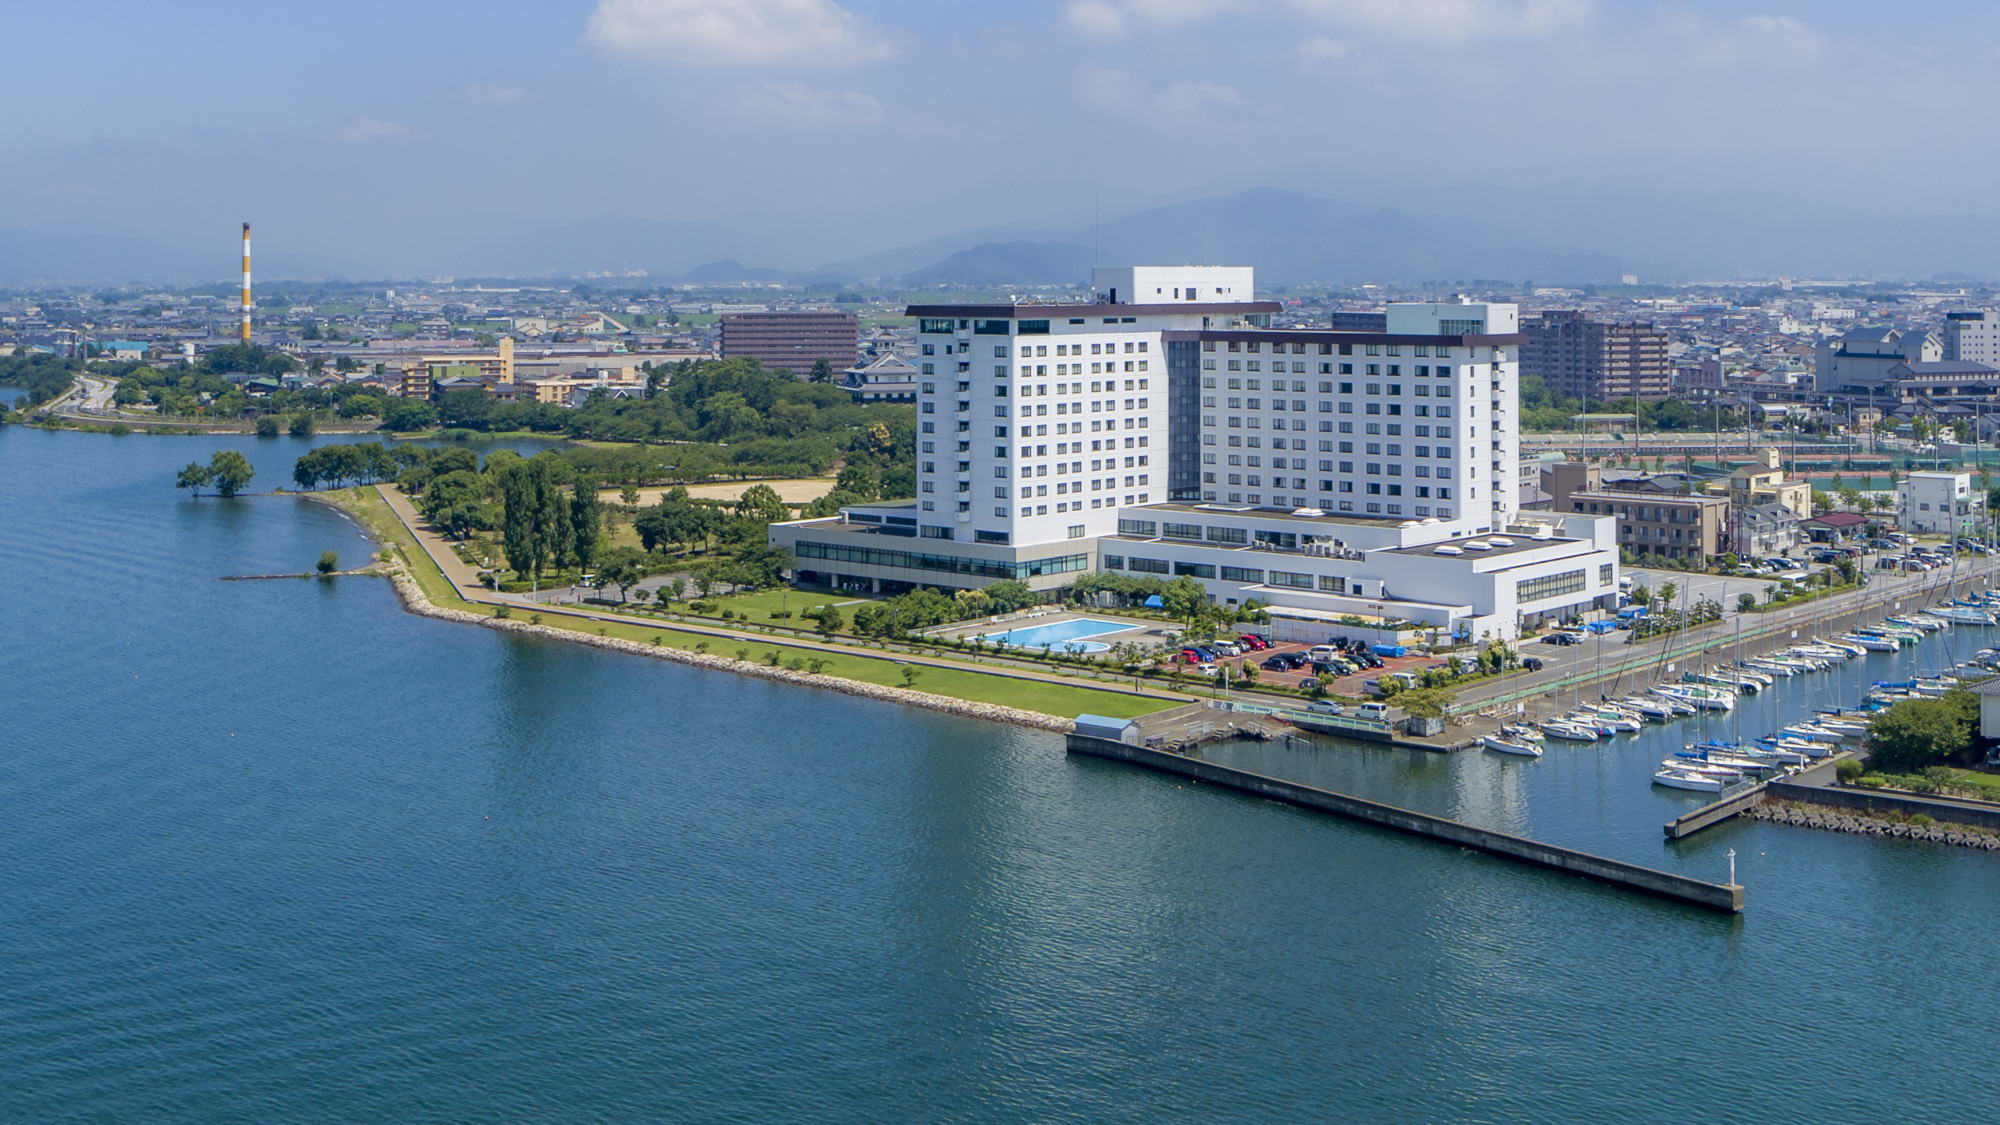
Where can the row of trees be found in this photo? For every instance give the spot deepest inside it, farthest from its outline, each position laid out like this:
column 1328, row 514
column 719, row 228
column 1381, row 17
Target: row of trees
column 1545, row 411
column 926, row 608
column 43, row 377
column 541, row 525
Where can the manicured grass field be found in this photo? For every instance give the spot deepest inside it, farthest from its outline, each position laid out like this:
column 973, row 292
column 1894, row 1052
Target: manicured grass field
column 759, row 606
column 958, row 683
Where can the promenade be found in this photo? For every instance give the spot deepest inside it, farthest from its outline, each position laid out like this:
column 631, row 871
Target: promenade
column 465, row 583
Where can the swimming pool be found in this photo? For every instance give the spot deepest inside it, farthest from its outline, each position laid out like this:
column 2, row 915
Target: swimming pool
column 1061, row 636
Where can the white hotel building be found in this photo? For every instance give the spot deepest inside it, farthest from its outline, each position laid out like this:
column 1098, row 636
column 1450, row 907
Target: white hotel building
column 1165, row 429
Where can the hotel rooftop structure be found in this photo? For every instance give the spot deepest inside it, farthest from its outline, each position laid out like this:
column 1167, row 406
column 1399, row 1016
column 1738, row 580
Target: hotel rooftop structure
column 1164, row 428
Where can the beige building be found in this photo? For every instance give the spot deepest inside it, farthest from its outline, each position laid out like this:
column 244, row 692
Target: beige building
column 1765, row 482
column 1649, row 523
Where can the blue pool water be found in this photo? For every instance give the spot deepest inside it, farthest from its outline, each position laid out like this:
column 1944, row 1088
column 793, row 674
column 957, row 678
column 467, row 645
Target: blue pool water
column 1062, row 636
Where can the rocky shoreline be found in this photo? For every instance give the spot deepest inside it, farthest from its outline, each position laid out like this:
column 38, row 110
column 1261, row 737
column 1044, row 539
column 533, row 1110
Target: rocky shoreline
column 415, row 602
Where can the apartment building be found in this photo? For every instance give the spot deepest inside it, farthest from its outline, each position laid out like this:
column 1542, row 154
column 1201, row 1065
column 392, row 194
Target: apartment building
column 1972, row 337
column 793, row 340
column 1165, row 428
column 1594, row 361
column 1648, row 522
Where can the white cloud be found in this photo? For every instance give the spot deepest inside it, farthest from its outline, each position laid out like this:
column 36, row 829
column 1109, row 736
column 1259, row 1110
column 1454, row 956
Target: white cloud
column 367, row 129
column 1761, row 40
column 1113, row 19
column 735, row 32
column 1451, row 19
column 1321, row 49
column 797, row 102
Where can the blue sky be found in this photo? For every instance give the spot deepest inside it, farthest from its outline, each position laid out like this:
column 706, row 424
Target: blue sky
column 396, row 134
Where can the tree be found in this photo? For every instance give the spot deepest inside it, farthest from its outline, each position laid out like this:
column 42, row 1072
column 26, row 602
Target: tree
column 629, row 494
column 406, row 414
column 1183, row 598
column 586, row 521
column 329, row 562
column 822, row 372
column 267, row 426
column 1425, row 703
column 1746, row 602
column 1917, row 733
column 230, row 471
column 1667, row 592
column 195, row 477
column 303, row 424
column 762, row 503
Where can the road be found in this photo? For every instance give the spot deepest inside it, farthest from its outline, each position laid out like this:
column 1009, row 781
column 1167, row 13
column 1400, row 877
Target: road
column 1573, row 668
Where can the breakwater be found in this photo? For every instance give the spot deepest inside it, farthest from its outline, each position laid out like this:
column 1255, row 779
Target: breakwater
column 1830, row 820
column 1874, row 802
column 1627, row 876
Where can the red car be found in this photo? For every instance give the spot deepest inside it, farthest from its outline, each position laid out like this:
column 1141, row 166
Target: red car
column 1254, row 644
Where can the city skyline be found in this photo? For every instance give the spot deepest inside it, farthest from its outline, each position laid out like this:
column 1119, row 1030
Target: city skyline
column 419, row 140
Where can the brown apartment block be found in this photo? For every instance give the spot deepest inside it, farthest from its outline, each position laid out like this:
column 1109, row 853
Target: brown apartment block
column 1587, row 359
column 1679, row 527
column 793, row 340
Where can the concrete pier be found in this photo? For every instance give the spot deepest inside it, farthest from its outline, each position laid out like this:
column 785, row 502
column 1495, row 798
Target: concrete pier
column 1720, row 897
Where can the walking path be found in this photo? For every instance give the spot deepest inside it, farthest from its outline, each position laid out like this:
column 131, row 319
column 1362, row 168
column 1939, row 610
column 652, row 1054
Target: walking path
column 465, row 582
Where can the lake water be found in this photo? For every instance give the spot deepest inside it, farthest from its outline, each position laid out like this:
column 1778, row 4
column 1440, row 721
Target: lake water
column 279, row 852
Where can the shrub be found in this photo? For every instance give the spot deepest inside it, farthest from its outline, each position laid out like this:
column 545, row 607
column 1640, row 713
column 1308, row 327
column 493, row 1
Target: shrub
column 743, row 654
column 534, row 619
column 1922, row 820
column 329, row 562
column 504, row 611
column 1849, row 771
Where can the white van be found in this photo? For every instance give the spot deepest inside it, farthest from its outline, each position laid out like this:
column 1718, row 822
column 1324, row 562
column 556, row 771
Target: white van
column 1377, row 711
column 1321, row 653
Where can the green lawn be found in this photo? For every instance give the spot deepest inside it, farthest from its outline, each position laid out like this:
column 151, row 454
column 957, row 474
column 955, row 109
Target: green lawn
column 958, row 683
column 967, row 683
column 759, row 606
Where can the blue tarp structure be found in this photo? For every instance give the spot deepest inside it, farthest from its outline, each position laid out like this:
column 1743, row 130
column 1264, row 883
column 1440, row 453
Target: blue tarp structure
column 1600, row 626
column 1156, row 602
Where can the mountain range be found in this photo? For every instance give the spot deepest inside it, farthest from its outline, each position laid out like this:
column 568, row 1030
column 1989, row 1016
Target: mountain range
column 1566, row 234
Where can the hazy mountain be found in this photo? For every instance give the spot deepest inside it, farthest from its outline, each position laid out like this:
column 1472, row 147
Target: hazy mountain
column 664, row 248
column 921, row 255
column 1012, row 263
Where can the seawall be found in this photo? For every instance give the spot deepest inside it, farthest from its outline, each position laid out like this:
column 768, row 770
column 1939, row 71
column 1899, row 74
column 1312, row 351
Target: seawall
column 1628, row 876
column 1879, row 803
column 414, row 601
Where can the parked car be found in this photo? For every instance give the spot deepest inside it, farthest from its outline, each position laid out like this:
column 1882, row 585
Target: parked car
column 1326, row 707
column 1228, row 648
column 1322, row 652
column 1253, row 643
column 1562, row 639
column 1276, row 664
column 1532, row 663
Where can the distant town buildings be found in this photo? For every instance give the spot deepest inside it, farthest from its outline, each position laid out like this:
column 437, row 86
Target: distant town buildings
column 1972, row 337
column 1583, row 358
column 793, row 340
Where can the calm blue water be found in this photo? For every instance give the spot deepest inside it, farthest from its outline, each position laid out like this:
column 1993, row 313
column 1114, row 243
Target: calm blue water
column 1063, row 635
column 278, row 852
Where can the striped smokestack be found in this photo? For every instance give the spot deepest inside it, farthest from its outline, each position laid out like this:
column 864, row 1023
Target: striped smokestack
column 246, row 283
